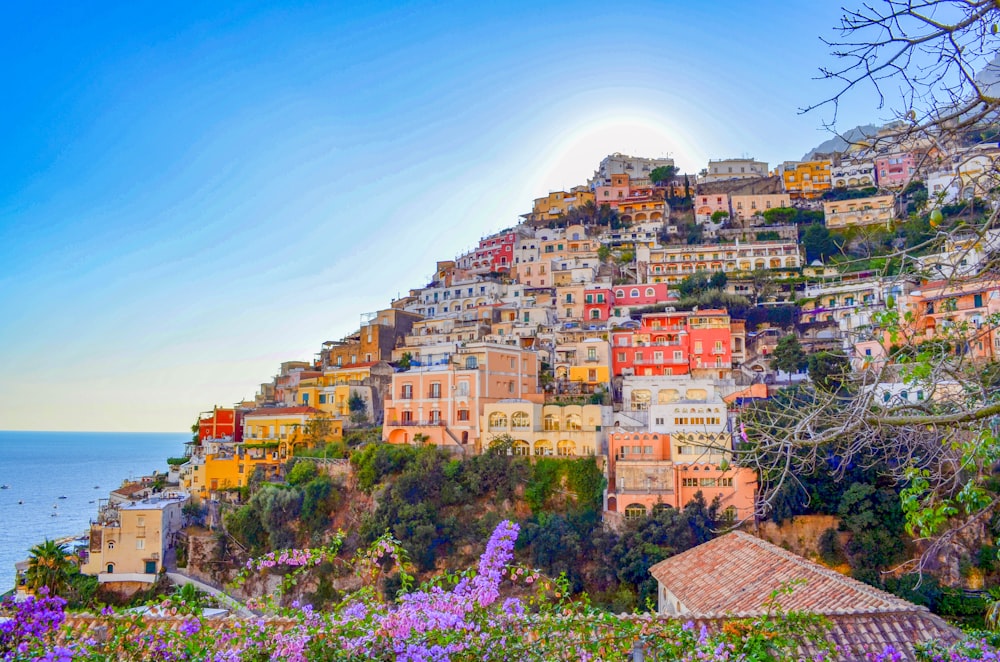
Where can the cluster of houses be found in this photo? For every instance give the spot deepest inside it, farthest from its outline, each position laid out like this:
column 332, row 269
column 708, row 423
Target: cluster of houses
column 561, row 337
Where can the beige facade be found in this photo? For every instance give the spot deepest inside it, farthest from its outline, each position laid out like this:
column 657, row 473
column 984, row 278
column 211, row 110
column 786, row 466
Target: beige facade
column 536, row 429
column 746, row 207
column 876, row 210
column 441, row 404
column 130, row 540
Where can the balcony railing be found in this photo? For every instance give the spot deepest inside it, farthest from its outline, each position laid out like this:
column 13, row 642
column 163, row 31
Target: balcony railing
column 415, row 423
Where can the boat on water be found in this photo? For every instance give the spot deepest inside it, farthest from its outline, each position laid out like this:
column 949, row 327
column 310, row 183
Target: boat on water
column 4, row 487
column 62, row 497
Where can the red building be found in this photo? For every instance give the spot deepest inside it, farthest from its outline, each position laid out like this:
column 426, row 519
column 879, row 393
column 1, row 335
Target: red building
column 495, row 254
column 680, row 343
column 597, row 303
column 220, row 423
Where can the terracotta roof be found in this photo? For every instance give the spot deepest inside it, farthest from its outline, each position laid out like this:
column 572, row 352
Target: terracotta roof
column 736, row 573
column 283, row 411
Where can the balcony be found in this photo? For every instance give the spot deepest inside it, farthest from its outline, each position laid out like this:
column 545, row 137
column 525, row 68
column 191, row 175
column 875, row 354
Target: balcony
column 415, row 423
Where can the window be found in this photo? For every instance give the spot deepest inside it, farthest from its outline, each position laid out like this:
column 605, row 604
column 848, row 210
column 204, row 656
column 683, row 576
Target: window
column 435, row 390
column 471, row 363
column 689, row 482
column 407, row 392
column 520, row 420
column 462, row 415
column 635, row 511
column 140, row 543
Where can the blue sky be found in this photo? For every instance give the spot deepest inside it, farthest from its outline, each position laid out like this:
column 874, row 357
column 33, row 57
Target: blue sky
column 191, row 195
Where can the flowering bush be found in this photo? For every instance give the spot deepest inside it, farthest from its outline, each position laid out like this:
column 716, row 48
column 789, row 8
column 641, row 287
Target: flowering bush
column 497, row 611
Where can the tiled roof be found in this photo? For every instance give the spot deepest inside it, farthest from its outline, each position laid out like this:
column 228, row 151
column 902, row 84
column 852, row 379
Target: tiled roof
column 736, row 573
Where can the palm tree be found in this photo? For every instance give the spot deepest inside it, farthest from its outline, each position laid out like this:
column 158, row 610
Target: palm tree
column 48, row 566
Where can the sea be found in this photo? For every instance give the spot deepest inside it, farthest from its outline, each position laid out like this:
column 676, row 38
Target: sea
column 51, row 482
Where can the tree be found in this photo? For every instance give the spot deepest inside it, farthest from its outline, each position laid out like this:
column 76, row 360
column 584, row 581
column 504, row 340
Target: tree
column 358, row 408
column 762, row 285
column 604, row 253
column 49, row 567
column 788, row 355
column 319, row 430
column 819, row 243
column 828, row 370
column 780, row 215
column 718, row 280
column 404, row 361
column 662, row 174
column 687, row 188
column 720, row 216
column 942, row 449
column 927, row 51
column 693, row 284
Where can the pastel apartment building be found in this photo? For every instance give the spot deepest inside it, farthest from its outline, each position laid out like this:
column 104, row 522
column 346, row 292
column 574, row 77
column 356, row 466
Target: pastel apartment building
column 378, row 335
column 441, row 404
column 583, row 366
column 645, row 476
column 895, row 170
column 671, row 264
column 853, row 173
column 638, row 168
column 221, row 423
column 807, row 180
column 556, row 204
column 876, row 210
column 725, row 169
column 958, row 312
column 545, row 430
column 680, row 343
column 129, row 541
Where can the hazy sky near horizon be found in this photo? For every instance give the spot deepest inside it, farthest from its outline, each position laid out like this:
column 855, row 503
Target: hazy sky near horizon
column 191, row 194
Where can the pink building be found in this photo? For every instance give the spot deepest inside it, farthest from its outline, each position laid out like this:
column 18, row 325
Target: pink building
column 642, row 477
column 441, row 404
column 895, row 170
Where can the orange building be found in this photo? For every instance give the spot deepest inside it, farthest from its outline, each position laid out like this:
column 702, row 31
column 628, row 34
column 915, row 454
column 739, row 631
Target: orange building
column 958, row 312
column 807, row 180
column 643, row 477
column 441, row 404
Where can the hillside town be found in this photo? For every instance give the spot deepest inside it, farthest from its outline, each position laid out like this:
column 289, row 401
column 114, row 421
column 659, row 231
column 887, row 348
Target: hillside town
column 631, row 317
column 629, row 321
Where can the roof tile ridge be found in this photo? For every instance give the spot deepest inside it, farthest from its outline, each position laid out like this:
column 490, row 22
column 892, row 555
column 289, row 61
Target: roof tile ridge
column 803, row 562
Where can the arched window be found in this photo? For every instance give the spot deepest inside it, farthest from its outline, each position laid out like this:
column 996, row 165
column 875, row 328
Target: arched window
column 521, row 448
column 620, row 294
column 543, row 447
column 111, row 568
column 634, row 293
column 661, row 508
column 650, row 292
column 498, row 420
column 640, row 399
column 550, row 422
column 520, row 421
column 573, row 422
column 635, row 511
column 566, row 448
column 666, row 395
column 111, row 545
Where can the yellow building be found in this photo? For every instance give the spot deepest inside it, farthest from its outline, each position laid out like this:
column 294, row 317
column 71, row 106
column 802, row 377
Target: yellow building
column 535, row 429
column 270, row 437
column 558, row 203
column 807, row 179
column 876, row 210
column 129, row 541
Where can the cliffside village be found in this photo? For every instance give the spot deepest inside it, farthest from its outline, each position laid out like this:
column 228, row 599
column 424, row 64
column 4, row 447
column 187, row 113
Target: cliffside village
column 561, row 336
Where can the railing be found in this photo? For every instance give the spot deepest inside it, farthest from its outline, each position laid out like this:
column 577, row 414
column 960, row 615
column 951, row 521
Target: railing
column 413, row 423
